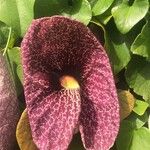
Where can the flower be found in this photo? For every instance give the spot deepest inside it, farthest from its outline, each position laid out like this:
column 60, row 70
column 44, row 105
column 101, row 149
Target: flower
column 68, row 85
column 9, row 108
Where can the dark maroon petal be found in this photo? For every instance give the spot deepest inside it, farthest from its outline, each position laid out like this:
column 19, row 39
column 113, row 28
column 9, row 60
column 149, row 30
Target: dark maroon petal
column 99, row 120
column 53, row 113
column 9, row 110
column 54, row 119
column 57, row 46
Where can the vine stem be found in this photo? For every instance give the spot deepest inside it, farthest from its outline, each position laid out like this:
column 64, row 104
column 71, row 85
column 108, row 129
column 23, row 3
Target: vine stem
column 7, row 44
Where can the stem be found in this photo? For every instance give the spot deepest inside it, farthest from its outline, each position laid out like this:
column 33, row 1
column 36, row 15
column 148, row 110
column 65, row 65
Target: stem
column 7, row 44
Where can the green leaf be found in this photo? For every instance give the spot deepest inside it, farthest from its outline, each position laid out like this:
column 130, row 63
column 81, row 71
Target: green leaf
column 140, row 107
column 140, row 140
column 105, row 17
column 14, row 57
column 138, row 77
column 130, row 138
column 77, row 9
column 7, row 37
column 49, row 7
column 119, row 55
column 4, row 31
column 127, row 16
column 134, row 32
column 117, row 49
column 125, row 135
column 141, row 45
column 101, row 6
column 138, row 121
column 17, row 14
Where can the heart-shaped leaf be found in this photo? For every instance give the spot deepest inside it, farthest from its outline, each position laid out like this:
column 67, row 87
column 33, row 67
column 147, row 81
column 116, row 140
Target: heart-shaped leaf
column 77, row 9
column 23, row 133
column 126, row 101
column 127, row 16
column 17, row 14
column 141, row 45
column 140, row 107
column 101, row 6
column 138, row 77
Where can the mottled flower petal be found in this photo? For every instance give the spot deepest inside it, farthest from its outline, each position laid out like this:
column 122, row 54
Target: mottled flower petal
column 54, row 118
column 99, row 120
column 53, row 115
column 55, row 47
column 9, row 110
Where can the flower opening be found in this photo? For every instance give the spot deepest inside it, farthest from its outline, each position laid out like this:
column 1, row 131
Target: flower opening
column 69, row 82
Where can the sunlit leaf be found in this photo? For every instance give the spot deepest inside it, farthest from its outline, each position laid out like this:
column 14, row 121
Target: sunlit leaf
column 23, row 133
column 140, row 107
column 101, row 6
column 17, row 14
column 105, row 17
column 140, row 139
column 126, row 16
column 141, row 45
column 126, row 101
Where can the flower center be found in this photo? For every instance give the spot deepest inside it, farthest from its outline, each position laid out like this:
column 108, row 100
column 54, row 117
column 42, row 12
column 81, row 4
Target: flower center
column 69, row 82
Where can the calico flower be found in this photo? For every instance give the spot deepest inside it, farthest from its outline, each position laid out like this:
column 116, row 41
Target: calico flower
column 9, row 110
column 68, row 86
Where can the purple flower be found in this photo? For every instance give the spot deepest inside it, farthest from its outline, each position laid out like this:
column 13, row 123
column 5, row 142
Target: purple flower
column 9, row 110
column 68, row 86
